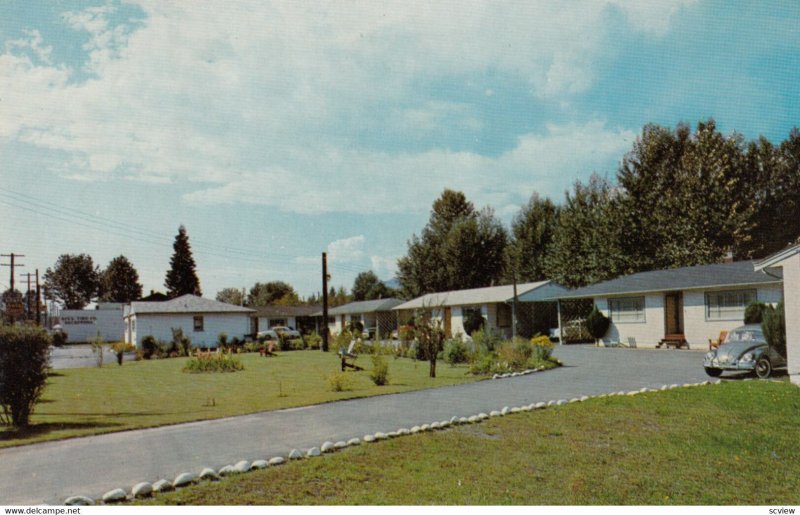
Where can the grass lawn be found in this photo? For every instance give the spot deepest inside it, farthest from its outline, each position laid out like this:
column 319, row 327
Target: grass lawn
column 732, row 444
column 79, row 402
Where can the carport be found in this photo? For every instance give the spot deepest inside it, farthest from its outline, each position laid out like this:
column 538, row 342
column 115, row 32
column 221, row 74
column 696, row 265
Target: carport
column 789, row 260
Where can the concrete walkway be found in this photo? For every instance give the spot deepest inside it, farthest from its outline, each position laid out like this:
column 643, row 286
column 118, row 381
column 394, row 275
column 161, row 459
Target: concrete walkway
column 51, row 472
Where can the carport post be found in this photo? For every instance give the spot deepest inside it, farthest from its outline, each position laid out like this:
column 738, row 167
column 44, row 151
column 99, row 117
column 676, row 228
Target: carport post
column 560, row 333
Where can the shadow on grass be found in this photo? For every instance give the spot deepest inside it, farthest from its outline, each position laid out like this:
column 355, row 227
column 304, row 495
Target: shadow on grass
column 55, row 374
column 40, row 429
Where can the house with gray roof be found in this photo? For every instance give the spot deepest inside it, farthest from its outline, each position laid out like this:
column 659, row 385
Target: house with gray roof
column 304, row 318
column 492, row 303
column 374, row 315
column 695, row 303
column 202, row 320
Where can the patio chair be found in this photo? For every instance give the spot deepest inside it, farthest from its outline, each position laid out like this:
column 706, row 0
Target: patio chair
column 631, row 342
column 349, row 354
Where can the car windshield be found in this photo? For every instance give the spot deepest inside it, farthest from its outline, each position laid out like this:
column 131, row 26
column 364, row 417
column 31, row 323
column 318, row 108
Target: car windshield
column 749, row 335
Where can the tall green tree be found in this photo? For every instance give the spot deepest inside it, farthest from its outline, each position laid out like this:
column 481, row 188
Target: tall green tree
column 119, row 282
column 273, row 292
column 532, row 232
column 231, row 296
column 458, row 248
column 586, row 244
column 182, row 275
column 367, row 286
column 74, row 281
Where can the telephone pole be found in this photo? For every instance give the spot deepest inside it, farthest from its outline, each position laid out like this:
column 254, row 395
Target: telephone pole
column 38, row 300
column 324, row 302
column 12, row 265
column 28, row 297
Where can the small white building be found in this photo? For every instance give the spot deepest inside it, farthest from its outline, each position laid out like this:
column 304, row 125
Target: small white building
column 695, row 303
column 104, row 322
column 788, row 261
column 493, row 303
column 374, row 315
column 303, row 318
column 202, row 320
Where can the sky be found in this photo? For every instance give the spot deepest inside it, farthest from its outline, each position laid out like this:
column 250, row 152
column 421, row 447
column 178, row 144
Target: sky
column 277, row 131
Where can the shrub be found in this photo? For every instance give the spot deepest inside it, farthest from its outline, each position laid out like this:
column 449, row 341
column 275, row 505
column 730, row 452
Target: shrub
column 597, row 323
column 222, row 340
column 313, row 341
column 59, row 338
column 754, row 312
column 774, row 327
column 455, row 351
column 473, row 321
column 485, row 340
column 24, row 356
column 380, row 370
column 482, row 365
column 542, row 347
column 150, row 346
column 213, row 362
column 342, row 340
column 339, row 382
column 180, row 344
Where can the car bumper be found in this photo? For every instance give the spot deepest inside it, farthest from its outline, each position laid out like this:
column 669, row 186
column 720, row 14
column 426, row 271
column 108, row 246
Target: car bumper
column 736, row 365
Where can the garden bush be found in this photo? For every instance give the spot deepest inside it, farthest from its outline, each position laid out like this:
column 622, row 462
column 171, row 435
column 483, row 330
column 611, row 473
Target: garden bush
column 484, row 340
column 120, row 348
column 222, row 340
column 754, row 312
column 342, row 340
column 313, row 341
column 597, row 323
column 339, row 382
column 213, row 362
column 59, row 338
column 542, row 347
column 482, row 364
column 150, row 347
column 24, row 357
column 773, row 325
column 455, row 351
column 380, row 370
column 473, row 321
column 180, row 343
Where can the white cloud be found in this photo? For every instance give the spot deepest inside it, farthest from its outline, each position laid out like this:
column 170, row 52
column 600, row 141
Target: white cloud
column 248, row 100
column 348, row 250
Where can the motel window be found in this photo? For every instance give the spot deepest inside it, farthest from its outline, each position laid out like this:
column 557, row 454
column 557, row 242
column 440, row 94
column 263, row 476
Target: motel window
column 277, row 321
column 728, row 305
column 626, row 310
column 198, row 323
column 503, row 315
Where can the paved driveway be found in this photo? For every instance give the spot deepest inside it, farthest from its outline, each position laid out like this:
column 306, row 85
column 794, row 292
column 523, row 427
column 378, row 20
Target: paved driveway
column 81, row 356
column 50, row 472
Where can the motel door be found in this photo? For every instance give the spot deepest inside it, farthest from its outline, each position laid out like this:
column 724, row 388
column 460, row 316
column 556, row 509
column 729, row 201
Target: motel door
column 447, row 317
column 673, row 313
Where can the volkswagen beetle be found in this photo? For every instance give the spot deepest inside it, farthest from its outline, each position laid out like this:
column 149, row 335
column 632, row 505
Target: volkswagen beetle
column 744, row 350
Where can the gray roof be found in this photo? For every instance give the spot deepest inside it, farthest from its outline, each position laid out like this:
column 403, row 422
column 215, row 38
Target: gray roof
column 286, row 311
column 363, row 306
column 778, row 257
column 184, row 304
column 487, row 295
column 719, row 275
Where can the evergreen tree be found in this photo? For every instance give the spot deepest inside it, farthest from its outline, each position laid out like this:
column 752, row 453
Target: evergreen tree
column 119, row 282
column 182, row 275
column 367, row 286
column 458, row 248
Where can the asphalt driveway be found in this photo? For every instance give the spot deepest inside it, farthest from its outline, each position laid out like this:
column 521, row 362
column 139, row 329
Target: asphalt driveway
column 50, row 472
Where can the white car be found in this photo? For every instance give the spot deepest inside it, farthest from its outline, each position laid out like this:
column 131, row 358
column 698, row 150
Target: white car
column 286, row 331
column 267, row 334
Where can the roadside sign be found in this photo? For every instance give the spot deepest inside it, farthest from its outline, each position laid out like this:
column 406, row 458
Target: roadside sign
column 15, row 309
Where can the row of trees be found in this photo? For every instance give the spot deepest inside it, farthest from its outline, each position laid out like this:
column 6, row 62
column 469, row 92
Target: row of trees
column 75, row 280
column 679, row 199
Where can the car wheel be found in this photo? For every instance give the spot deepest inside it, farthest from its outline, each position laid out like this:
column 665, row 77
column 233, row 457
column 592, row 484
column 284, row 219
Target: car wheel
column 763, row 368
column 714, row 372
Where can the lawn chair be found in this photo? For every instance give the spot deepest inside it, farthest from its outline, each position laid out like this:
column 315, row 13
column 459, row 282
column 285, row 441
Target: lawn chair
column 713, row 344
column 349, row 354
column 631, row 342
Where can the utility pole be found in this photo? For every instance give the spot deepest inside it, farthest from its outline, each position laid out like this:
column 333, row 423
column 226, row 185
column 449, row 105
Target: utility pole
column 28, row 297
column 514, row 307
column 324, row 302
column 38, row 300
column 12, row 265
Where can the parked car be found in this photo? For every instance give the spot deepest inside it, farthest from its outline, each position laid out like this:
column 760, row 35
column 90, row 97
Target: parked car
column 286, row 331
column 267, row 334
column 744, row 350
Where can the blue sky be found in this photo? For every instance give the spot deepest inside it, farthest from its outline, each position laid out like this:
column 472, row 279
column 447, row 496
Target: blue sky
column 275, row 132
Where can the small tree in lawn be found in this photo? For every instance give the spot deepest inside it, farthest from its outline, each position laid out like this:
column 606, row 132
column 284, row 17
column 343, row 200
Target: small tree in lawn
column 182, row 275
column 430, row 338
column 597, row 324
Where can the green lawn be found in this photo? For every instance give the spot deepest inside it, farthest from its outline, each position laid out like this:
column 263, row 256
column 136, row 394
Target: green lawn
column 732, row 444
column 80, row 402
